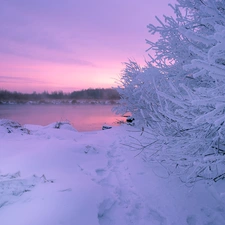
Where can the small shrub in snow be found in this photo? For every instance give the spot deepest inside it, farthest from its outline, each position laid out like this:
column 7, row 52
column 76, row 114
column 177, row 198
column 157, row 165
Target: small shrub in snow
column 106, row 127
column 11, row 126
column 63, row 125
column 12, row 186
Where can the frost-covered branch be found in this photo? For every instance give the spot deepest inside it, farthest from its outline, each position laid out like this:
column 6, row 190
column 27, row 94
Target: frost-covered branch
column 185, row 116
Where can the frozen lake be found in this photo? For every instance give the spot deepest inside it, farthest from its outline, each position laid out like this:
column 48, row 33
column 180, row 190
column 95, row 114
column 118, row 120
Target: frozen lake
column 82, row 117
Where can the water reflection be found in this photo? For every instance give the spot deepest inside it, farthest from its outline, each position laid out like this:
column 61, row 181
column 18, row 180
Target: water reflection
column 82, row 117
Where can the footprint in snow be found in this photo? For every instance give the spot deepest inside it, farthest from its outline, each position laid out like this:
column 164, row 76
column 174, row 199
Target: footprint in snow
column 104, row 211
column 100, row 171
column 155, row 218
column 90, row 150
column 191, row 220
column 214, row 216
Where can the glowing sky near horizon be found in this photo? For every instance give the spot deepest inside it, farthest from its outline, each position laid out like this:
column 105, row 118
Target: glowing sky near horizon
column 68, row 45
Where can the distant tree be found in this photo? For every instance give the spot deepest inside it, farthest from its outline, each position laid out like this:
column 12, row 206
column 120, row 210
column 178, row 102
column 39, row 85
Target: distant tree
column 98, row 93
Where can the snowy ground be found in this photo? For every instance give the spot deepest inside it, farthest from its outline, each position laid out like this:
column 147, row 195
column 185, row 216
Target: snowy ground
column 52, row 176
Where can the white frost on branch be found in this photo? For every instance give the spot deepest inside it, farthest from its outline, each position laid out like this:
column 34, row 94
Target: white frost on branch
column 179, row 95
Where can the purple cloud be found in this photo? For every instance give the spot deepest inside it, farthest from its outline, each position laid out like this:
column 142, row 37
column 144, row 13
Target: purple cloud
column 13, row 79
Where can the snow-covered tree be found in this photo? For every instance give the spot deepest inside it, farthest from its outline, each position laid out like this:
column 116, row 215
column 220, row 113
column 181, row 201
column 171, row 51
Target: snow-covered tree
column 179, row 96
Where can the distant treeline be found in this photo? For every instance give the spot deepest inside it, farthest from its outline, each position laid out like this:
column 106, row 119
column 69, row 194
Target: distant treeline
column 109, row 94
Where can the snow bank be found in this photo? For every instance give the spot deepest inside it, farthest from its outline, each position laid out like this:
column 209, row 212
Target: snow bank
column 61, row 176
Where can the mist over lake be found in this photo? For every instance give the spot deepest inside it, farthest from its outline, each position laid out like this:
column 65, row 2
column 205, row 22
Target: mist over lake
column 82, row 117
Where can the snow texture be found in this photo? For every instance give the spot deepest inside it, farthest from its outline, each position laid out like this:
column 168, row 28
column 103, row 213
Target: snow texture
column 61, row 176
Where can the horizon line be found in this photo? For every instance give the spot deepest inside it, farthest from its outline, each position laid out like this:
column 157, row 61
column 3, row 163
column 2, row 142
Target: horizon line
column 64, row 92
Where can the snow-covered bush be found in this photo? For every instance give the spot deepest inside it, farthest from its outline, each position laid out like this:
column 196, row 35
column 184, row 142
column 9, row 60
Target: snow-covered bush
column 179, row 96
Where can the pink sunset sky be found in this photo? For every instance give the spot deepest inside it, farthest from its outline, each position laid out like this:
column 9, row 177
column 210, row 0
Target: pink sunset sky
column 68, row 45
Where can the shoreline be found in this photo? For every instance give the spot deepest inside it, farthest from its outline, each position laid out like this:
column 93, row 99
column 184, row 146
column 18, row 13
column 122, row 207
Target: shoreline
column 62, row 102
